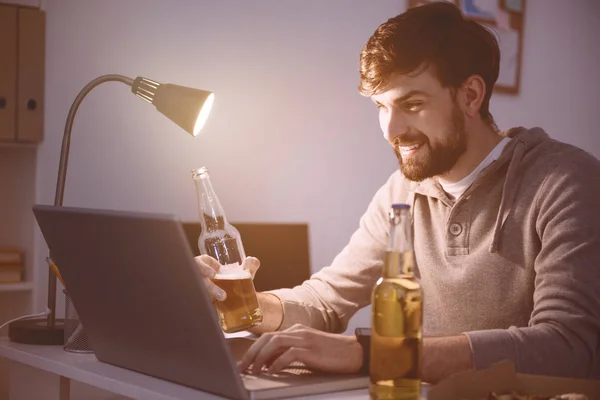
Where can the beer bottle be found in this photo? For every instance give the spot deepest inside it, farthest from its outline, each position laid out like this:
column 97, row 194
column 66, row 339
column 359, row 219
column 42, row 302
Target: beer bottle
column 395, row 361
column 215, row 227
column 222, row 241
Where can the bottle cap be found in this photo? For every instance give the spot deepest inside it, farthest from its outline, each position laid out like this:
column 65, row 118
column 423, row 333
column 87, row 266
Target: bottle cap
column 199, row 172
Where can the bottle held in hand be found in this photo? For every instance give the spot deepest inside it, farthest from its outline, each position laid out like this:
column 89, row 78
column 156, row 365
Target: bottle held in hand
column 222, row 241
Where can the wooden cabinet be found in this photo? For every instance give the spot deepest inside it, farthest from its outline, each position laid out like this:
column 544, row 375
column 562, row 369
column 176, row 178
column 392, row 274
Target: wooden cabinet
column 8, row 72
column 22, row 48
column 22, row 55
column 22, row 65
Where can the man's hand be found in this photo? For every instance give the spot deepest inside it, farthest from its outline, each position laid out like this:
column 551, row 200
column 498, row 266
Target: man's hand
column 316, row 349
column 252, row 264
column 209, row 267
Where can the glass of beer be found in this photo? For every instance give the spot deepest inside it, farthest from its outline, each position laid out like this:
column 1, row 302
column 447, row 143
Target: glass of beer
column 240, row 310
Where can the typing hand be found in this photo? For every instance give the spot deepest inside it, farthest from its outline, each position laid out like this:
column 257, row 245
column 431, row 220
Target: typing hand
column 316, row 349
column 209, row 267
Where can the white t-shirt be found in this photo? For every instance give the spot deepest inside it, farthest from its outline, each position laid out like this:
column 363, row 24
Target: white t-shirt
column 455, row 190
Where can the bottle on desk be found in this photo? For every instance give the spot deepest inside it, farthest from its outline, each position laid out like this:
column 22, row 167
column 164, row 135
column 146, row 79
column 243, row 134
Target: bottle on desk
column 222, row 241
column 395, row 362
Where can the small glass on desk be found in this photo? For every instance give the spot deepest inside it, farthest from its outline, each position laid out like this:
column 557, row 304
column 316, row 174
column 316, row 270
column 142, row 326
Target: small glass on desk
column 76, row 338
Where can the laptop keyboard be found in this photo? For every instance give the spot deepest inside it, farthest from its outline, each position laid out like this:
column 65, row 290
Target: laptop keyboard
column 239, row 346
column 294, row 369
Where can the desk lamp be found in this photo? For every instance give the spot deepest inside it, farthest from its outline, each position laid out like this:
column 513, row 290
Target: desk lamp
column 187, row 107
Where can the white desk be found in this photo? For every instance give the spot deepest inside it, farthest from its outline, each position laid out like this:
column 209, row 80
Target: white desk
column 47, row 371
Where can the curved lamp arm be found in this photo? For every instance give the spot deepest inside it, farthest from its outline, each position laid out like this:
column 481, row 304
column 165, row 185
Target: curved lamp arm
column 66, row 142
column 185, row 106
column 62, row 171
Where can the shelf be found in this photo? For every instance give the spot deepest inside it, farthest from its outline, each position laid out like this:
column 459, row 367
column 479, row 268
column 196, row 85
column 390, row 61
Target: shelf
column 16, row 287
column 17, row 145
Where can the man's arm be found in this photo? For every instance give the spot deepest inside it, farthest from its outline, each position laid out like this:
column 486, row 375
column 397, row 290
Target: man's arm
column 331, row 296
column 563, row 334
column 272, row 313
column 444, row 356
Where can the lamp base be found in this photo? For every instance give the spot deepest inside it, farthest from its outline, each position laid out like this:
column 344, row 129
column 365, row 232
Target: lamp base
column 37, row 331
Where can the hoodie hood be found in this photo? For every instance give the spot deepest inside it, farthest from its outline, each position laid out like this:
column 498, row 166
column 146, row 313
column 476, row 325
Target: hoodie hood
column 522, row 142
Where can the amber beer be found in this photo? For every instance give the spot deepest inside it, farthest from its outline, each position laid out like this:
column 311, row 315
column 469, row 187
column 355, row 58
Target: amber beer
column 395, row 366
column 240, row 310
column 397, row 312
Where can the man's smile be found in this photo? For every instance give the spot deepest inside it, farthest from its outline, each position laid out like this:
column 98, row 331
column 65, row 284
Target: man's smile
column 407, row 151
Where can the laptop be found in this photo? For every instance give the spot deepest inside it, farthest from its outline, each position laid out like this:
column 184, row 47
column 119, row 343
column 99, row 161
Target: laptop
column 142, row 301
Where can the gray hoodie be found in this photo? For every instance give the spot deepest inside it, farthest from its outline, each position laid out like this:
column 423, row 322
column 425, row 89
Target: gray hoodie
column 514, row 263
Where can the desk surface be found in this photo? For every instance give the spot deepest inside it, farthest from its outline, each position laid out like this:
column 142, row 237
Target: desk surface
column 87, row 369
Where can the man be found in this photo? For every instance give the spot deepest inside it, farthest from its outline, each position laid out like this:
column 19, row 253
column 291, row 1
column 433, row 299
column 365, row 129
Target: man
column 506, row 224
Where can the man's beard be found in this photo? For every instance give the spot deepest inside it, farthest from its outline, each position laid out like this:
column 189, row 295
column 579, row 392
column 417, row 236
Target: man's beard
column 437, row 159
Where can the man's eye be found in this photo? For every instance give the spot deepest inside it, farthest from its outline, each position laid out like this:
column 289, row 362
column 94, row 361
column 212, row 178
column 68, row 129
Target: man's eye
column 379, row 106
column 413, row 106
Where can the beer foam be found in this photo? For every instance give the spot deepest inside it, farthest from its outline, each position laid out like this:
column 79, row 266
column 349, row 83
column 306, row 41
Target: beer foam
column 232, row 271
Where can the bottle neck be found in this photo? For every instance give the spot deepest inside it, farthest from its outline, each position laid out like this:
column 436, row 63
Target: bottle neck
column 212, row 215
column 400, row 238
column 400, row 255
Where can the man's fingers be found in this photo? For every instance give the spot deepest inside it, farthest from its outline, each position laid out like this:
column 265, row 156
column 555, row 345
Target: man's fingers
column 208, row 265
column 297, row 328
column 206, row 271
column 289, row 356
column 252, row 264
column 214, row 290
column 251, row 353
column 268, row 353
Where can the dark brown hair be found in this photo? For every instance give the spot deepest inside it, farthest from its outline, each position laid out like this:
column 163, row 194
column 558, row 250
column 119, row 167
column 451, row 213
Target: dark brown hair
column 433, row 35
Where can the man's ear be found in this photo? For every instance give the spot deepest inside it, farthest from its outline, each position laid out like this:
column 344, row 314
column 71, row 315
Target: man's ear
column 472, row 95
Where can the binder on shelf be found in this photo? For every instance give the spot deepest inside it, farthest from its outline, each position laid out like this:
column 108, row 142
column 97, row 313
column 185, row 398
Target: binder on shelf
column 11, row 265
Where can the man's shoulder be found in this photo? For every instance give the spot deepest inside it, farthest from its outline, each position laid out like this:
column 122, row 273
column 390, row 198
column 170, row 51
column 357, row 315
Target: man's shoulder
column 557, row 157
column 396, row 189
column 397, row 184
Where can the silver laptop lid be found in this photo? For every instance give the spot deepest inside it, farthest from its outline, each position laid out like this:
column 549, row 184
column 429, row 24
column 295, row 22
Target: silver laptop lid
column 140, row 297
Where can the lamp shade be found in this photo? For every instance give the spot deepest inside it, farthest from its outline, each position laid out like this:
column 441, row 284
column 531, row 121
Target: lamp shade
column 185, row 106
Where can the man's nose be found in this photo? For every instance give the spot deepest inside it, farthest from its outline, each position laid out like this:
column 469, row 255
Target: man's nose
column 393, row 125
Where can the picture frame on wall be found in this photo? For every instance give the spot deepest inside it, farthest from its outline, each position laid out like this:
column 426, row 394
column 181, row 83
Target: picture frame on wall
column 485, row 10
column 504, row 18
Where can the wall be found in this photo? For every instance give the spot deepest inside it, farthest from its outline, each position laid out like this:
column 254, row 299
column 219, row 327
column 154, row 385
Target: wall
column 289, row 138
column 560, row 90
